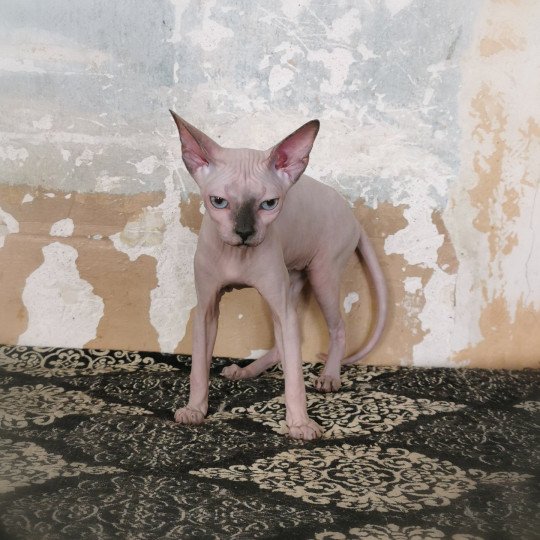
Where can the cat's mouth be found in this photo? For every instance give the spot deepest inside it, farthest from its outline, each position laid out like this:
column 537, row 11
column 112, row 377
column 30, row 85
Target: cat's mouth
column 234, row 240
column 244, row 243
column 238, row 243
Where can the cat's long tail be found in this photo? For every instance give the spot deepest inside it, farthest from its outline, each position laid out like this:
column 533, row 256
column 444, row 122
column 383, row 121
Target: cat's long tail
column 366, row 251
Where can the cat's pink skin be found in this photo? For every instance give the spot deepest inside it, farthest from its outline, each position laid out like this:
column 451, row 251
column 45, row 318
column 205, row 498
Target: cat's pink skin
column 309, row 235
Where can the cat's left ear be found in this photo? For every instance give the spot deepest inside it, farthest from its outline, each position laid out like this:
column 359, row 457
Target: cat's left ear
column 290, row 157
column 199, row 151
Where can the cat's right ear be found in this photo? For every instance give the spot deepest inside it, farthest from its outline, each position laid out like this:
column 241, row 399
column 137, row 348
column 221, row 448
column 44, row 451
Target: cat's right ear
column 198, row 150
column 290, row 157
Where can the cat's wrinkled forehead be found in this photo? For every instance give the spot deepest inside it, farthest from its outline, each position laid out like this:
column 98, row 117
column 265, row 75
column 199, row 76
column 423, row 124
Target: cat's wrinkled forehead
column 243, row 163
column 242, row 173
column 240, row 191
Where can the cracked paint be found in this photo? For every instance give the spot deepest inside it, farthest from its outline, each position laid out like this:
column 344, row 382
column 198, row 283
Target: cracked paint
column 158, row 232
column 430, row 129
column 494, row 217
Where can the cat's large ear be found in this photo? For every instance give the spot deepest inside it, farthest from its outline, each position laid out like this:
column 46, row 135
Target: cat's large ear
column 291, row 156
column 198, row 149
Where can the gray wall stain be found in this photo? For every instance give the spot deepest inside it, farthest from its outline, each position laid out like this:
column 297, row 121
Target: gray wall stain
column 106, row 73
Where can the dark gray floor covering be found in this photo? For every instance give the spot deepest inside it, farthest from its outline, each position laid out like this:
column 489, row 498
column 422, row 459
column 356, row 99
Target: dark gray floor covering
column 88, row 449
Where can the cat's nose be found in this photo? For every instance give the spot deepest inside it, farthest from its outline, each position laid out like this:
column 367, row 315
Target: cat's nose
column 244, row 234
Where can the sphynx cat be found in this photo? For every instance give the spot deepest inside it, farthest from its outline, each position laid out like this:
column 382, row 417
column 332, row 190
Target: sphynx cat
column 270, row 227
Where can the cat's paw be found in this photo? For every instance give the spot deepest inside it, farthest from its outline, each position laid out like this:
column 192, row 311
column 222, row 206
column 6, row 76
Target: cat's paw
column 307, row 431
column 188, row 415
column 327, row 383
column 235, row 373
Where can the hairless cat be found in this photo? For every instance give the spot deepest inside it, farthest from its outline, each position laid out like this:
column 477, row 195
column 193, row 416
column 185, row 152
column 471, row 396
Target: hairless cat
column 270, row 227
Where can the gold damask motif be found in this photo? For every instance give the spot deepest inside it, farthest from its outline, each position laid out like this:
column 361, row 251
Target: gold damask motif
column 351, row 376
column 152, row 507
column 54, row 362
column 529, row 406
column 345, row 413
column 24, row 463
column 89, row 449
column 391, row 532
column 41, row 404
column 364, row 478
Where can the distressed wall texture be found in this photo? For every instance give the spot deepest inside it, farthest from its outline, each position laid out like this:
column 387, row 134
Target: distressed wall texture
column 430, row 128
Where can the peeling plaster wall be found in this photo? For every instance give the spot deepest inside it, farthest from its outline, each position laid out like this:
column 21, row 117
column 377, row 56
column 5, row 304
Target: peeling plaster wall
column 430, row 128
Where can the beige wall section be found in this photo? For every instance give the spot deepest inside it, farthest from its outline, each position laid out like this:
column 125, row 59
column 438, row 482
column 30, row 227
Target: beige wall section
column 124, row 286
column 458, row 238
column 494, row 209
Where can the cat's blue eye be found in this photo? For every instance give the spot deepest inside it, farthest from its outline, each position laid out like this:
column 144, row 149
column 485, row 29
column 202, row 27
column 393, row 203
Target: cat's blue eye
column 218, row 202
column 270, row 204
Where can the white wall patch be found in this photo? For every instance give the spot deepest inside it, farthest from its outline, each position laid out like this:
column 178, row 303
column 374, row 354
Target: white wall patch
column 412, row 284
column 63, row 227
column 280, row 77
column 256, row 353
column 8, row 225
column 395, row 6
column 159, row 234
column 146, row 165
column 85, row 157
column 45, row 122
column 350, row 299
column 10, row 153
column 56, row 297
column 106, row 183
column 209, row 35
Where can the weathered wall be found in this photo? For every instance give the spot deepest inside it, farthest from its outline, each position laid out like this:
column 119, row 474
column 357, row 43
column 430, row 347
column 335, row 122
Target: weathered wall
column 430, row 128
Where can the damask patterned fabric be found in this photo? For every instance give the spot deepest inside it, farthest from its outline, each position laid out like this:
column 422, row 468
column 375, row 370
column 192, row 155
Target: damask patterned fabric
column 89, row 450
